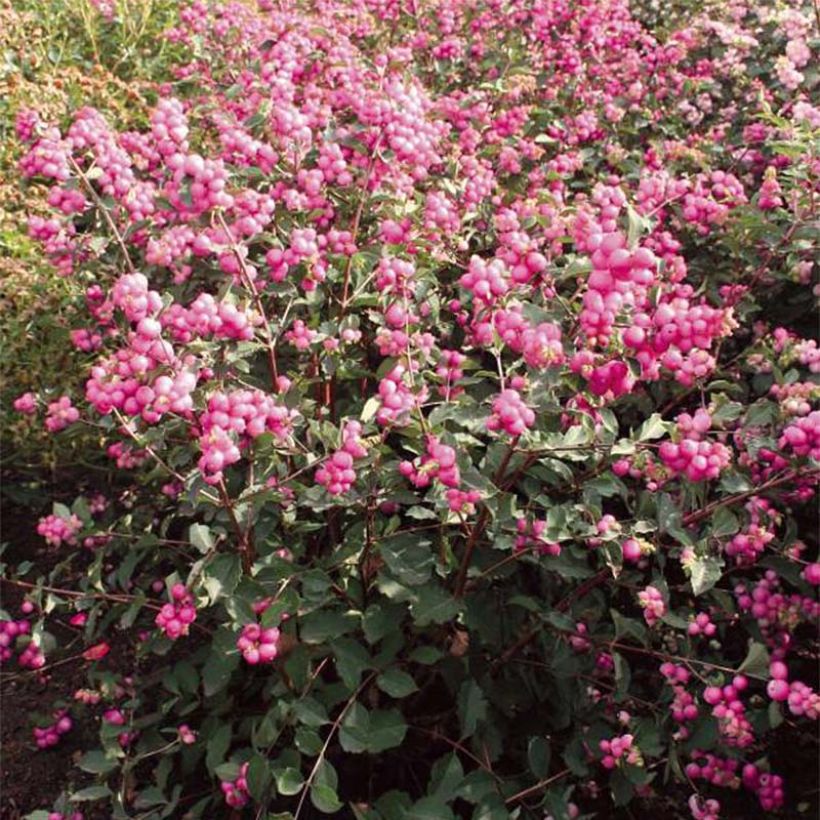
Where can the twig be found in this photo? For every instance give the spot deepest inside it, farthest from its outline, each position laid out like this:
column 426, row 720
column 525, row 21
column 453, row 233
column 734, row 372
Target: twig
column 333, row 729
column 106, row 216
column 354, row 231
column 542, row 784
column 478, row 527
column 245, row 547
column 457, row 746
column 705, row 512
column 257, row 299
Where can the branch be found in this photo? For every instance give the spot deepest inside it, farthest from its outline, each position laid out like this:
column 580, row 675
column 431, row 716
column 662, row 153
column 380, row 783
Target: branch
column 478, row 527
column 333, row 729
column 104, row 211
column 247, row 280
column 542, row 784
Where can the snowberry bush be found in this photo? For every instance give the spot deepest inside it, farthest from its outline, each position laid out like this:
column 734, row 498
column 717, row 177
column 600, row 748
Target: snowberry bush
column 455, row 361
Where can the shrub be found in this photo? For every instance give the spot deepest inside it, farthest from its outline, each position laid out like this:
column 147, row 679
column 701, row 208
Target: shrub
column 457, row 353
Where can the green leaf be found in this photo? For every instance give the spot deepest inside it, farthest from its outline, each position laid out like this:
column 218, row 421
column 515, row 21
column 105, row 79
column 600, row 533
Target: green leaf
column 538, row 756
column 775, row 714
column 227, row 771
column 409, row 558
column 393, row 805
column 221, row 576
column 373, row 732
column 445, row 778
column 430, row 808
column 476, row 786
column 756, row 663
column 326, row 625
column 670, row 519
column 472, row 707
column 733, row 482
column 90, row 793
column 200, row 537
column 491, row 807
column 369, row 410
column 310, row 712
column 324, row 798
column 628, row 627
column 622, row 789
column 396, row 683
column 724, row 522
column 258, row 776
column 623, row 676
column 636, row 225
column 218, row 746
column 60, row 510
column 325, row 773
column 289, row 781
column 434, row 605
column 380, row 620
column 426, row 655
column 307, row 741
column 351, row 660
column 97, row 762
column 653, row 428
column 186, row 677
column 729, row 411
column 221, row 662
column 705, row 572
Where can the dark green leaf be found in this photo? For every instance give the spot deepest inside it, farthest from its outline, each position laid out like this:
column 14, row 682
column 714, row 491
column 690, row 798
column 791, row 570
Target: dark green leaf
column 258, row 776
column 756, row 663
column 472, row 707
column 97, row 762
column 324, row 798
column 90, row 793
column 218, row 745
column 289, row 781
column 538, row 755
column 373, row 732
column 351, row 660
column 396, row 683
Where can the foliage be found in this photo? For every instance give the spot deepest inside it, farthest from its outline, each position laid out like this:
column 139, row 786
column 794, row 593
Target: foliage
column 453, row 360
column 58, row 56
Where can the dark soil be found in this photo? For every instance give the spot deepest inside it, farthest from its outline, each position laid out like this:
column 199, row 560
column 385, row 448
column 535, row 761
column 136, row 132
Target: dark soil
column 31, row 778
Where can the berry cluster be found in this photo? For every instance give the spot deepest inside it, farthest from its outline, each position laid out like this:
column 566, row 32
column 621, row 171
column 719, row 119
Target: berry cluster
column 47, row 736
column 510, row 414
column 31, row 656
column 684, row 709
column 242, row 415
column 337, row 475
column 176, row 617
column 653, row 604
column 439, row 462
column 57, row 529
column 621, row 749
column 730, row 712
column 258, row 645
column 236, row 791
column 60, row 414
column 531, row 537
column 692, row 455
